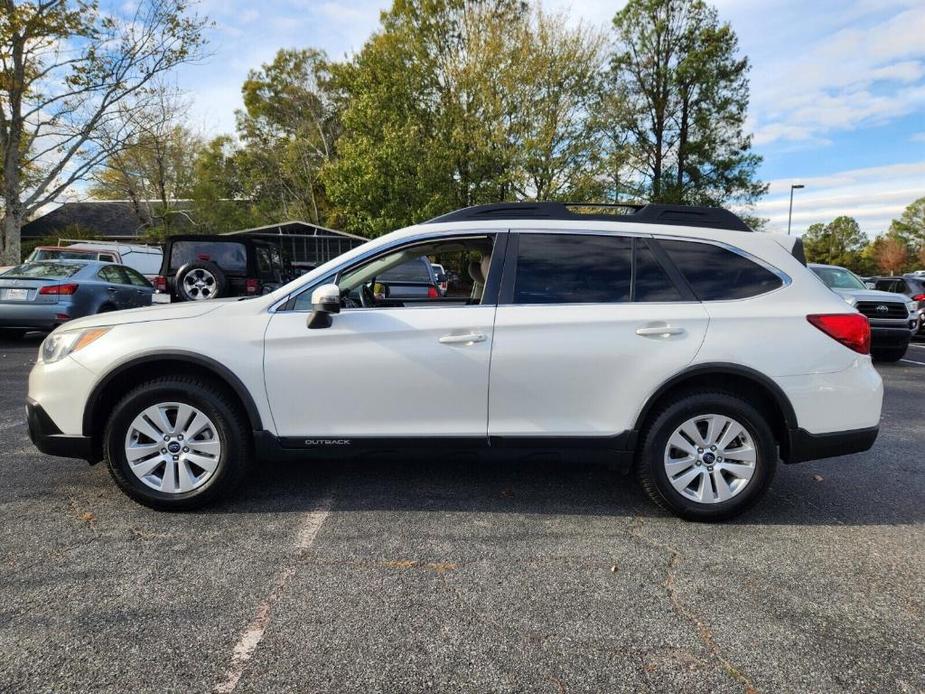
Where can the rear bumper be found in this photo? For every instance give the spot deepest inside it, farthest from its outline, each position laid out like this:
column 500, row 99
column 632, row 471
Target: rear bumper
column 804, row 446
column 48, row 438
column 31, row 316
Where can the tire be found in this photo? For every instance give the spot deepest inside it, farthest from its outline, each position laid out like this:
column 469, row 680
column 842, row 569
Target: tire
column 223, row 445
column 200, row 281
column 655, row 455
column 888, row 354
column 106, row 308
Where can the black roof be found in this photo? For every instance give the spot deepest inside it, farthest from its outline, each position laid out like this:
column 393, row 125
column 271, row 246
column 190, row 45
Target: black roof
column 105, row 218
column 683, row 215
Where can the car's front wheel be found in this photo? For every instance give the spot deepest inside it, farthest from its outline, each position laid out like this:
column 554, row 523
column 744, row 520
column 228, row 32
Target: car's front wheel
column 177, row 443
column 707, row 457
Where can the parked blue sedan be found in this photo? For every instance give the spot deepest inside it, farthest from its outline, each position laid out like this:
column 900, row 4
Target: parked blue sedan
column 42, row 295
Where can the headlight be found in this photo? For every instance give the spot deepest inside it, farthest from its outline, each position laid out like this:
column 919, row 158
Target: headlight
column 58, row 345
column 911, row 306
column 850, row 300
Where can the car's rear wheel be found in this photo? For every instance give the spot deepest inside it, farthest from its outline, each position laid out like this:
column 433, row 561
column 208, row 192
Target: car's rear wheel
column 177, row 444
column 707, row 457
column 888, row 354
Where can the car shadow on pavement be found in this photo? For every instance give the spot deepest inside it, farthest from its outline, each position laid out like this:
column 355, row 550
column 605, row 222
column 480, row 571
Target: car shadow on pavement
column 835, row 492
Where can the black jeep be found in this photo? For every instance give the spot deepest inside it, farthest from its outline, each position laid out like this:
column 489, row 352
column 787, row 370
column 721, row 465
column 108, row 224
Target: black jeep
column 198, row 267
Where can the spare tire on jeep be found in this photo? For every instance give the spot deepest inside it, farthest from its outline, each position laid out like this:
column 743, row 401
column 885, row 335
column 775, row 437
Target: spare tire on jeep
column 200, row 280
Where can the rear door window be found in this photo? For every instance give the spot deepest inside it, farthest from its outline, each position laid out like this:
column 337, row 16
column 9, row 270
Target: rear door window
column 573, row 269
column 113, row 274
column 652, row 283
column 136, row 278
column 719, row 274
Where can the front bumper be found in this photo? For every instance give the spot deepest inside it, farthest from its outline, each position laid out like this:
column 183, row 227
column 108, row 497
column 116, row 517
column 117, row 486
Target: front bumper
column 882, row 336
column 48, row 438
column 803, row 446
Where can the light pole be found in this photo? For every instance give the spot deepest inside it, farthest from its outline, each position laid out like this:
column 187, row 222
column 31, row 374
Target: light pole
column 790, row 214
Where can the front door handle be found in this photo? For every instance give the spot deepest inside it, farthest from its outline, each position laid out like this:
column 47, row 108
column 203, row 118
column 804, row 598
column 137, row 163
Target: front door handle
column 111, row 289
column 659, row 331
column 466, row 339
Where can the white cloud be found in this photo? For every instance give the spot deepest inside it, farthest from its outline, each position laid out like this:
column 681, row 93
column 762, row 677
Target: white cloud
column 852, row 77
column 873, row 196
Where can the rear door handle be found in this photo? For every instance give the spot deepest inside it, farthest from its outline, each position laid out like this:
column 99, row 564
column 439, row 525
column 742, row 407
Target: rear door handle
column 111, row 289
column 466, row 339
column 659, row 330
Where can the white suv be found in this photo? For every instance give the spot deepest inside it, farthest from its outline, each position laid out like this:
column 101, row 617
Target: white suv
column 671, row 338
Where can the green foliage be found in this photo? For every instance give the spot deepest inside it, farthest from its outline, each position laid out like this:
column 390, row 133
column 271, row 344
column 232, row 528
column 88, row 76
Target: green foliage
column 840, row 242
column 72, row 231
column 71, row 78
column 459, row 103
column 685, row 91
column 910, row 227
column 288, row 128
column 221, row 191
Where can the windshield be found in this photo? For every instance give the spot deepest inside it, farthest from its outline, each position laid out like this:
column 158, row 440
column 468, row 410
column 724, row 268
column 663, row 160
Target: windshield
column 44, row 270
column 839, row 278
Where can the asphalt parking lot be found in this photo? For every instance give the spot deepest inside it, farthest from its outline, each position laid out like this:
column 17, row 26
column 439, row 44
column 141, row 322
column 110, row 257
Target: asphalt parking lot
column 454, row 575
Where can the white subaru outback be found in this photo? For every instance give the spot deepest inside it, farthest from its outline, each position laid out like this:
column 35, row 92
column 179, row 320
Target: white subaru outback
column 670, row 338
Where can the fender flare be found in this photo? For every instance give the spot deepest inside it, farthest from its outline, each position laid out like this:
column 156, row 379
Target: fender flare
column 217, row 368
column 780, row 398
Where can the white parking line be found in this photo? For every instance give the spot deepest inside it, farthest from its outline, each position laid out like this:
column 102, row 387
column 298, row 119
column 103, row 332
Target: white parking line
column 252, row 635
column 909, row 361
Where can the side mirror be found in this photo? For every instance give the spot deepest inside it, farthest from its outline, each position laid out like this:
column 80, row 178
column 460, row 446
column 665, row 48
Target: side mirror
column 325, row 301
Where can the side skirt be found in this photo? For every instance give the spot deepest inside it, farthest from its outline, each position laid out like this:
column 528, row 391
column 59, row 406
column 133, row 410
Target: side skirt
column 619, row 448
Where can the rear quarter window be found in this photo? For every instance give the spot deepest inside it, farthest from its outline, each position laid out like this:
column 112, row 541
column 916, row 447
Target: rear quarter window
column 718, row 274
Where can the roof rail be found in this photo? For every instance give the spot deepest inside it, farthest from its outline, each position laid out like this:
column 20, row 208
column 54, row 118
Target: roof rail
column 681, row 215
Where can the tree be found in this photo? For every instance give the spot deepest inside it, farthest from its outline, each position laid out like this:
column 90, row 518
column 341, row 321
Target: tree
column 67, row 72
column 840, row 242
column 155, row 169
column 686, row 94
column 892, row 254
column 288, row 127
column 910, row 227
column 461, row 102
column 557, row 154
column 221, row 193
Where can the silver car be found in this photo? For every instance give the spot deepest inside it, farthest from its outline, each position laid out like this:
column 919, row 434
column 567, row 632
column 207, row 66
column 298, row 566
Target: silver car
column 44, row 294
column 892, row 316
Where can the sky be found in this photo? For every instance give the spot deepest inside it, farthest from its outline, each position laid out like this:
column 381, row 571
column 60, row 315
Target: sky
column 838, row 88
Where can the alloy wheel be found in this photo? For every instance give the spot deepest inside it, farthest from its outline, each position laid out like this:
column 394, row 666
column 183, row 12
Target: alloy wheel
column 172, row 447
column 710, row 458
column 199, row 284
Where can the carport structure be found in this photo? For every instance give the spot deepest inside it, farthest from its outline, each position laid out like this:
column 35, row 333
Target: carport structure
column 307, row 245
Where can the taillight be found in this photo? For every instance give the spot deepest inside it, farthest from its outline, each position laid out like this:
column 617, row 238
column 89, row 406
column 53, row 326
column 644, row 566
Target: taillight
column 851, row 329
column 59, row 289
column 432, row 292
column 919, row 297
column 252, row 285
column 160, row 283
